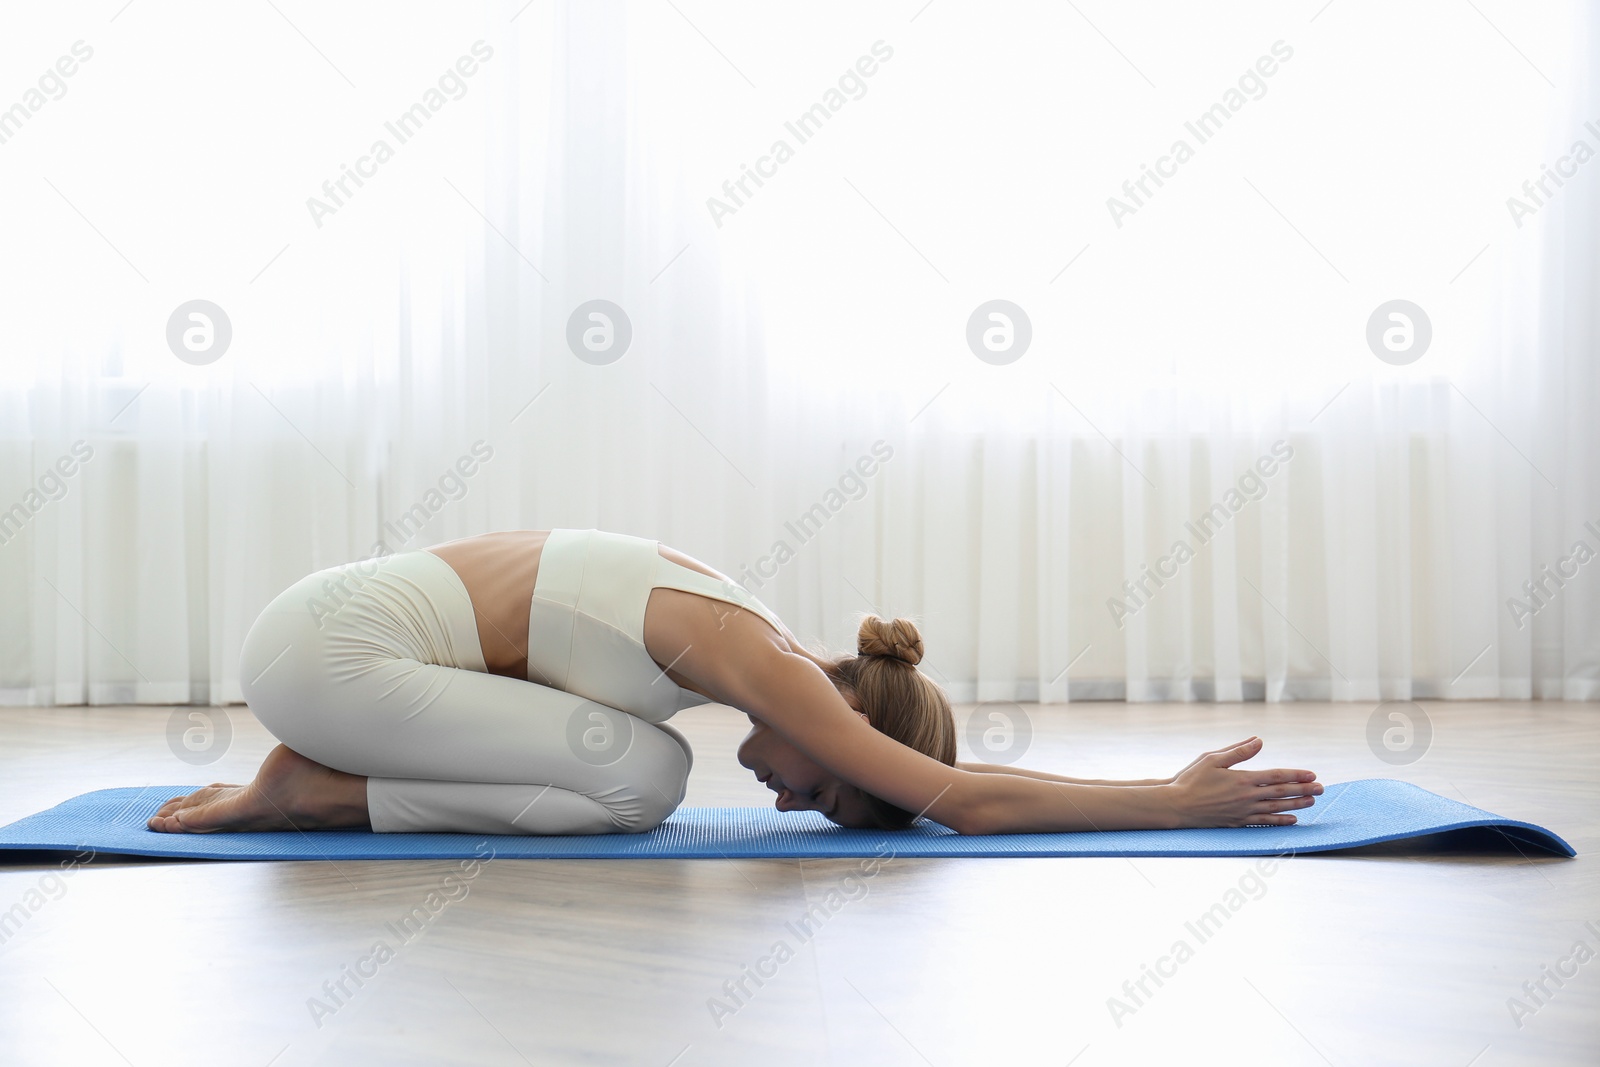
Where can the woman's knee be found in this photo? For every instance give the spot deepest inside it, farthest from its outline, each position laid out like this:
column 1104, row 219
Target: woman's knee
column 659, row 774
column 683, row 742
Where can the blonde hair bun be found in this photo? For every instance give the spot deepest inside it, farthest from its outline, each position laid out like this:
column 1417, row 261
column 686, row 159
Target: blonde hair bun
column 898, row 639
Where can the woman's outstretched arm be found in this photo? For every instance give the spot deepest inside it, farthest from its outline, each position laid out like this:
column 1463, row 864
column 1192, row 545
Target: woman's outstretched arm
column 1206, row 793
column 792, row 696
column 995, row 768
column 1045, row 776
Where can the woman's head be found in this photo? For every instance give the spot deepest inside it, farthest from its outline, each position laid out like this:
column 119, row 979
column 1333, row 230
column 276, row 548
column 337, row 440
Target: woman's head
column 897, row 699
column 882, row 683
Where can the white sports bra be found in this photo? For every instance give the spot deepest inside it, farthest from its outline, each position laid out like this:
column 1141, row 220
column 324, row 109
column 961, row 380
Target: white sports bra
column 586, row 621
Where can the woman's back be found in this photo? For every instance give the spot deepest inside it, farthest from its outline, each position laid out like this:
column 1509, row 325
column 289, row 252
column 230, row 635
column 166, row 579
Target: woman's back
column 500, row 570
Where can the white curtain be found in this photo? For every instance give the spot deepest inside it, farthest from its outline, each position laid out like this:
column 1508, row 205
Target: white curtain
column 798, row 403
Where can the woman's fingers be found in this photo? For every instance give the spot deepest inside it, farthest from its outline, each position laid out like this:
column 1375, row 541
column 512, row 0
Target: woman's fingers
column 1281, row 775
column 1290, row 789
column 1284, row 803
column 1227, row 748
column 1227, row 757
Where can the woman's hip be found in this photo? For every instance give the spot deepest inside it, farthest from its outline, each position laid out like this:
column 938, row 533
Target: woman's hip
column 337, row 624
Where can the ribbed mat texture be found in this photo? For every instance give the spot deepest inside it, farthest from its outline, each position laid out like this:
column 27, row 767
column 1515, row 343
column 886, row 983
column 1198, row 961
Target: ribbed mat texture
column 1348, row 814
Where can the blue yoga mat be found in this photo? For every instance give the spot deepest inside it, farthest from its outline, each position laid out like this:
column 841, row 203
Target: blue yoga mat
column 1347, row 815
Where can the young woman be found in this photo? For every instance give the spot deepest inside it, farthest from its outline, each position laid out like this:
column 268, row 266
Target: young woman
column 520, row 683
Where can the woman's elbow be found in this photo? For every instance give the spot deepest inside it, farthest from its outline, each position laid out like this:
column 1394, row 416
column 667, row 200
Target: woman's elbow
column 970, row 814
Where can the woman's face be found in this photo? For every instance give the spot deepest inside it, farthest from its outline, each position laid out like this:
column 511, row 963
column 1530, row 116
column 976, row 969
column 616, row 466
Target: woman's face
column 801, row 783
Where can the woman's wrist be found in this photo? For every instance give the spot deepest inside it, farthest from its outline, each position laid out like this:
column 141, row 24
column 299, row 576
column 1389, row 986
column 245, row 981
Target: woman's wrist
column 1146, row 807
column 1170, row 804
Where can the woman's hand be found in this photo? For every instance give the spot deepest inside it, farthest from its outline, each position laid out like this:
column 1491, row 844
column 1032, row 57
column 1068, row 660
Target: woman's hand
column 1203, row 757
column 1207, row 793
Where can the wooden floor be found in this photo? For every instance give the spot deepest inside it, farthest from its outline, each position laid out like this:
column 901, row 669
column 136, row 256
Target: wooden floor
column 1396, row 954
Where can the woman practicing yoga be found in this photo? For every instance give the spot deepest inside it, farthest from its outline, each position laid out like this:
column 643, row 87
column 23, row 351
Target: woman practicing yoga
column 519, row 683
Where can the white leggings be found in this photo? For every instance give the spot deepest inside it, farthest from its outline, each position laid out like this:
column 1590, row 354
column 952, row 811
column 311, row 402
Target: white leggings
column 375, row 668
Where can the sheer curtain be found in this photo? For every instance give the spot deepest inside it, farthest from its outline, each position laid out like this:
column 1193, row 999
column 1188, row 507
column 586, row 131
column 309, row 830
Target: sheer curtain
column 803, row 399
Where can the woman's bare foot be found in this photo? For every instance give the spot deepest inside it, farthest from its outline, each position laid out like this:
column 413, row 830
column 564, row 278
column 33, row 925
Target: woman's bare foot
column 290, row 792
